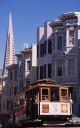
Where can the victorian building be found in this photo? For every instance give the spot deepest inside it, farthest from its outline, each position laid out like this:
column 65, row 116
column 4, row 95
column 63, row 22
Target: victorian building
column 21, row 74
column 58, row 53
column 66, row 53
column 44, row 51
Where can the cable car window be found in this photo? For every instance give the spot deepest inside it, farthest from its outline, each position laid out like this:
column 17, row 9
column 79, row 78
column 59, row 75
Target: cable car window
column 16, row 104
column 20, row 99
column 45, row 94
column 54, row 94
column 64, row 94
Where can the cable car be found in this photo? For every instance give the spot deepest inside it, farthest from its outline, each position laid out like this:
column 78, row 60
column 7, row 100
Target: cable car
column 43, row 100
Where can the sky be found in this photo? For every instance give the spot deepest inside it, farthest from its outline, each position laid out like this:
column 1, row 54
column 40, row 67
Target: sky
column 27, row 15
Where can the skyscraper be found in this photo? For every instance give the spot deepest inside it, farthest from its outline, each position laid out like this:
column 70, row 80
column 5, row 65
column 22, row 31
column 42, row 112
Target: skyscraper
column 9, row 57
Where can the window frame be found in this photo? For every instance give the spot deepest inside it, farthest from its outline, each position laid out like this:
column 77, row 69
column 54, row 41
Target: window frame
column 45, row 67
column 41, row 49
column 49, row 70
column 63, row 98
column 28, row 65
column 71, row 38
column 49, row 46
column 46, row 100
column 71, row 66
column 58, row 68
column 41, row 73
column 37, row 50
column 59, row 43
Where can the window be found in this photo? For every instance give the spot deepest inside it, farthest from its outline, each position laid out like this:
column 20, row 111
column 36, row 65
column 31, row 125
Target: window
column 41, row 72
column 41, row 50
column 59, row 43
column 64, row 39
column 28, row 65
column 20, row 69
column 21, row 101
column 15, row 74
column 59, row 68
column 45, row 71
column 9, row 105
column 38, row 50
column 64, row 68
column 63, row 94
column 75, row 97
column 45, row 94
column 3, row 105
column 71, row 66
column 54, row 43
column 45, row 47
column 49, row 70
column 15, row 90
column 54, row 94
column 50, row 46
column 37, row 72
column 10, row 75
column 16, row 102
column 27, row 81
column 21, row 84
column 71, row 37
column 10, row 91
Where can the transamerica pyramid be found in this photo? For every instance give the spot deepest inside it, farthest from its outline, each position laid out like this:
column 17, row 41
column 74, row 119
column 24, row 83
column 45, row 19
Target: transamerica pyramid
column 9, row 57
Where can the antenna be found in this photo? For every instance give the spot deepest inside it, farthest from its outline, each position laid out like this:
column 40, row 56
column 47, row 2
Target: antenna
column 26, row 45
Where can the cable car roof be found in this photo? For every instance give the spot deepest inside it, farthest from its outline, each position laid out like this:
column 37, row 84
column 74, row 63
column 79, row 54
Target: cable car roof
column 44, row 83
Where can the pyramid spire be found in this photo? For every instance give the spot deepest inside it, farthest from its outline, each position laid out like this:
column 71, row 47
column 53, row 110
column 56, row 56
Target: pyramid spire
column 9, row 57
column 10, row 28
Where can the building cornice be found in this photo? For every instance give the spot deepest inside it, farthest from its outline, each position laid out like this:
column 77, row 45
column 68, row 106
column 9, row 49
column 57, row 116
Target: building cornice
column 56, row 23
column 69, row 15
column 12, row 66
column 26, row 50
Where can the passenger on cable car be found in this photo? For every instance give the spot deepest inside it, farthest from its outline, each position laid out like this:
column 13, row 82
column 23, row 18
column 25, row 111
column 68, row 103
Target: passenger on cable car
column 36, row 105
column 27, row 108
column 53, row 95
column 30, row 108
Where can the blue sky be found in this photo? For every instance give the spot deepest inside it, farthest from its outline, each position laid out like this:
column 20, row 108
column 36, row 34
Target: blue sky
column 27, row 15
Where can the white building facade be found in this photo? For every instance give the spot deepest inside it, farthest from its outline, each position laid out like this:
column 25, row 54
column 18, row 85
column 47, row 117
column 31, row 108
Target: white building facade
column 44, row 51
column 65, row 56
column 58, row 53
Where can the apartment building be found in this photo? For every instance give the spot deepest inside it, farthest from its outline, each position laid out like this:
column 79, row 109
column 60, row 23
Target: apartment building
column 66, row 53
column 58, row 51
column 24, row 67
column 19, row 75
column 12, row 86
column 27, row 65
column 44, row 51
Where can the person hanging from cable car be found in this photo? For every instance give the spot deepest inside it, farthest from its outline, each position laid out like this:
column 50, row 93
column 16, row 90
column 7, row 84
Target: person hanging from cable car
column 53, row 95
column 36, row 105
